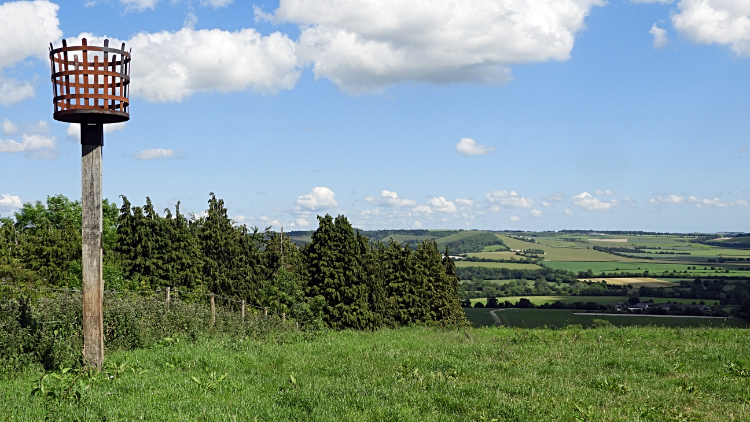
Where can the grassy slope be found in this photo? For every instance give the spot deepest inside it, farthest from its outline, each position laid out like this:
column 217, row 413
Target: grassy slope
column 420, row 374
column 558, row 318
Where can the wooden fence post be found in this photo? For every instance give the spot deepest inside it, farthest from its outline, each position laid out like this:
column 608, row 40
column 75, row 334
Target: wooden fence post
column 213, row 310
column 243, row 310
column 265, row 312
column 296, row 326
column 168, row 298
column 283, row 317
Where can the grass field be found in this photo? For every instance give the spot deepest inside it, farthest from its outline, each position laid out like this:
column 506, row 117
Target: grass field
column 602, row 300
column 510, row 265
column 413, row 374
column 653, row 268
column 558, row 318
column 636, row 282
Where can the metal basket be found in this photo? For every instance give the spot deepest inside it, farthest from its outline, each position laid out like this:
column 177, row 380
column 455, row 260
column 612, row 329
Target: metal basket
column 88, row 90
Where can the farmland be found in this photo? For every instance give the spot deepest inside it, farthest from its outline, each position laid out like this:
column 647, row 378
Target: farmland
column 554, row 318
column 603, row 300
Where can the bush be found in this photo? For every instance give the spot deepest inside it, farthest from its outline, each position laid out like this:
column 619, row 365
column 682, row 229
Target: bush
column 601, row 323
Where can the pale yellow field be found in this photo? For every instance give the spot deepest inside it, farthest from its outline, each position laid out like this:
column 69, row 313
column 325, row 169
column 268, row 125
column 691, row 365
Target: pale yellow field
column 575, row 253
column 635, row 281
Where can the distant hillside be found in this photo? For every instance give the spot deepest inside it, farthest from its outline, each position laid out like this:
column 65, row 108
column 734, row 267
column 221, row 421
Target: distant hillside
column 457, row 241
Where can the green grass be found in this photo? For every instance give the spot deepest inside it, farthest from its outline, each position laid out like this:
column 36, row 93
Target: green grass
column 510, row 265
column 415, row 374
column 559, row 318
column 654, row 268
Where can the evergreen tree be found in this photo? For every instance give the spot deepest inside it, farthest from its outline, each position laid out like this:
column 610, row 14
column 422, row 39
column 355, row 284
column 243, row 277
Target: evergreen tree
column 448, row 309
column 182, row 261
column 334, row 269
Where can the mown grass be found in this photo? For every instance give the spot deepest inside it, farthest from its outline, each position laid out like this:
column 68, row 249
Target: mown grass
column 415, row 374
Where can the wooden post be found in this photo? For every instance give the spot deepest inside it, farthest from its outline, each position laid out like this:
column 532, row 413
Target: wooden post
column 243, row 310
column 296, row 326
column 168, row 298
column 92, row 139
column 213, row 310
column 283, row 317
column 265, row 312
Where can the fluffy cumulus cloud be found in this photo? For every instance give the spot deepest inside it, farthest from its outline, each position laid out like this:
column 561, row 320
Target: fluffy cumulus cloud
column 320, row 198
column 390, row 199
column 604, row 192
column 158, row 154
column 651, row 1
column 26, row 29
column 660, row 36
column 725, row 22
column 9, row 128
column 469, row 147
column 509, row 199
column 667, row 199
column 139, row 5
column 216, row 3
column 365, row 45
column 591, row 203
column 464, row 203
column 715, row 202
column 549, row 201
column 568, row 212
column 174, row 65
column 514, row 218
column 74, row 130
column 10, row 202
column 35, row 142
column 440, row 204
column 536, row 213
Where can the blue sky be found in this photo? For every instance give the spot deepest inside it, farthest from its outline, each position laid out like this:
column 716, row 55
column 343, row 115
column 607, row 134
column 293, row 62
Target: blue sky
column 523, row 114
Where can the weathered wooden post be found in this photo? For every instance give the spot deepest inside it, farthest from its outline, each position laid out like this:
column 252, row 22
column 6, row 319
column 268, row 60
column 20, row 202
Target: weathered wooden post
column 91, row 90
column 243, row 310
column 168, row 298
column 213, row 310
column 265, row 312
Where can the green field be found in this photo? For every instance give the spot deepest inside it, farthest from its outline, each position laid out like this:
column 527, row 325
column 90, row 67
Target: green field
column 654, row 268
column 510, row 265
column 559, row 318
column 411, row 374
column 602, row 300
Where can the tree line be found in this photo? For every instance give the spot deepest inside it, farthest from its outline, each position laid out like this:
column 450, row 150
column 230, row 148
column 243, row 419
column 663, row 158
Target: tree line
column 340, row 279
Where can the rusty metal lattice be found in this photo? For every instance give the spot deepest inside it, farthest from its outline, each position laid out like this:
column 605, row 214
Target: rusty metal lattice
column 88, row 90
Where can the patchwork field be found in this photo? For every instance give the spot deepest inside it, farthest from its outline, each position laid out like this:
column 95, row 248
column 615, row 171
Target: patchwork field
column 510, row 265
column 635, row 282
column 603, row 300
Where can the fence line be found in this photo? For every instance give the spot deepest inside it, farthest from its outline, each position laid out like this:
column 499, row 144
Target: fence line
column 167, row 301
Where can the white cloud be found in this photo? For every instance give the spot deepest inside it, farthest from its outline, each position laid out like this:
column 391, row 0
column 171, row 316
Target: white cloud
column 440, row 204
column 669, row 199
column 417, row 224
column 660, row 36
column 509, row 199
column 175, row 65
column 216, row 3
column 422, row 209
column 568, row 212
column 390, row 199
column 604, row 192
column 29, row 143
column 26, row 29
column 468, row 147
column 554, row 197
column 715, row 203
column 514, row 218
column 651, row 1
column 74, row 129
column 536, row 213
column 158, row 154
column 241, row 219
column 320, row 198
column 303, row 222
column 9, row 128
column 725, row 22
column 139, row 5
column 591, row 203
column 365, row 45
column 464, row 203
column 10, row 202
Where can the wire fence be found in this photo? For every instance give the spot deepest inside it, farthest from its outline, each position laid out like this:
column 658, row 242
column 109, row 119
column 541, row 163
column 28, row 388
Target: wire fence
column 168, row 292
